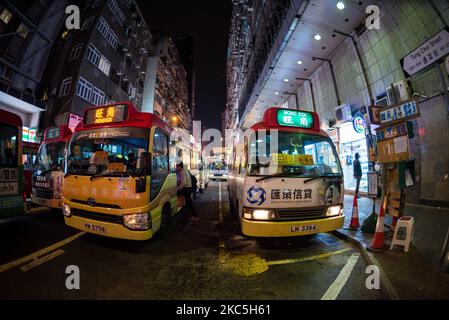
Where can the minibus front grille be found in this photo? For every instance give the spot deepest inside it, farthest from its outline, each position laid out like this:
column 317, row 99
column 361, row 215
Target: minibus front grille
column 97, row 216
column 100, row 205
column 299, row 215
column 43, row 193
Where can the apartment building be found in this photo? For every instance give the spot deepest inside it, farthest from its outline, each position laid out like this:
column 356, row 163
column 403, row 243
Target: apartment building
column 102, row 62
column 166, row 85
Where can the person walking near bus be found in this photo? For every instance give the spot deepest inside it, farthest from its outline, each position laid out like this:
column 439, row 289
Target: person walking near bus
column 357, row 173
column 185, row 187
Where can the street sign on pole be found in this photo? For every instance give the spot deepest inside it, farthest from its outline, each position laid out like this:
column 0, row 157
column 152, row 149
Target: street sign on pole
column 427, row 53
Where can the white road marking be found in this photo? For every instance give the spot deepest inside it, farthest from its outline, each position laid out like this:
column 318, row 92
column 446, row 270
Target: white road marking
column 38, row 261
column 221, row 243
column 220, row 207
column 310, row 258
column 339, row 283
column 39, row 253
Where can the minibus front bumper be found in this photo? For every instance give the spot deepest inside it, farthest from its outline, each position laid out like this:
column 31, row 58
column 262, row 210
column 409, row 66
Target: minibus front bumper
column 253, row 228
column 104, row 222
column 51, row 203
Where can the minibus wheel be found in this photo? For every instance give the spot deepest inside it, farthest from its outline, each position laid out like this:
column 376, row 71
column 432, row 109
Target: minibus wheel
column 165, row 222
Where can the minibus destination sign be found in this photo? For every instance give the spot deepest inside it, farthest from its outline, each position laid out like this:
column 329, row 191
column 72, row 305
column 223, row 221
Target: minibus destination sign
column 53, row 133
column 294, row 118
column 108, row 114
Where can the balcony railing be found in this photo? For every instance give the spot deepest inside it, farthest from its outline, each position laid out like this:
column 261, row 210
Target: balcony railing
column 22, row 95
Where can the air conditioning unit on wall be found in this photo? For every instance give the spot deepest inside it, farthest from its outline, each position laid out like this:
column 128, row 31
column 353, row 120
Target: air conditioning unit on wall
column 399, row 91
column 343, row 113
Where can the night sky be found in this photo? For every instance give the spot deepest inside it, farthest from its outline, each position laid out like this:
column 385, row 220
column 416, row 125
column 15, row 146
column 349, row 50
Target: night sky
column 208, row 23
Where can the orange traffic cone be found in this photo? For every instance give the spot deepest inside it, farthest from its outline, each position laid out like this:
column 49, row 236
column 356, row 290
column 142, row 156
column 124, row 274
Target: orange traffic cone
column 355, row 215
column 378, row 242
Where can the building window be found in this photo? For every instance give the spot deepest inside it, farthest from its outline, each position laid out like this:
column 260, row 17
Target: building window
column 97, row 97
column 93, row 55
column 22, row 30
column 6, row 16
column 118, row 14
column 104, row 65
column 87, row 23
column 84, row 89
column 65, row 87
column 107, row 33
column 76, row 52
column 96, row 3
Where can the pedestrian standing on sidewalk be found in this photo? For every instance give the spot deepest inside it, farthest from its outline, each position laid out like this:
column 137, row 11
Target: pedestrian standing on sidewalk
column 185, row 187
column 357, row 173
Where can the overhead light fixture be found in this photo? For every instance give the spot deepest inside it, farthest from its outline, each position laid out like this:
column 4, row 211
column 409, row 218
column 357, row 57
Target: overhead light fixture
column 317, row 37
column 340, row 5
column 299, row 62
column 276, row 93
column 285, row 80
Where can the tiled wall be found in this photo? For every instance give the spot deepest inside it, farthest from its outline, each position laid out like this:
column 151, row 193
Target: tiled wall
column 405, row 24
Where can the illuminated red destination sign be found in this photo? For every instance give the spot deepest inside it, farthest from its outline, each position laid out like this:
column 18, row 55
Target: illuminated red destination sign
column 107, row 114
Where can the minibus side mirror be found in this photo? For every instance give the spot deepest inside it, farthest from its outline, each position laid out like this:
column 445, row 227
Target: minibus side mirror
column 145, row 163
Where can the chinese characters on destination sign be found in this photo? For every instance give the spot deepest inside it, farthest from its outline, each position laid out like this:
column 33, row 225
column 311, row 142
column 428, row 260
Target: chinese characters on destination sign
column 428, row 53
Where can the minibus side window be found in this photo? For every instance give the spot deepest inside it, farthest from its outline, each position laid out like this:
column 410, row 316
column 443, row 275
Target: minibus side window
column 160, row 163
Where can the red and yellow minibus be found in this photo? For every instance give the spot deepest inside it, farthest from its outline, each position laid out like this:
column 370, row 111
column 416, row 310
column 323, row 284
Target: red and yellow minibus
column 118, row 182
column 285, row 178
column 11, row 167
column 47, row 177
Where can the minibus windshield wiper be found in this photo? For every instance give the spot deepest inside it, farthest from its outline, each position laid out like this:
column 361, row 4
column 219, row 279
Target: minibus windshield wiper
column 107, row 174
column 329, row 175
column 279, row 175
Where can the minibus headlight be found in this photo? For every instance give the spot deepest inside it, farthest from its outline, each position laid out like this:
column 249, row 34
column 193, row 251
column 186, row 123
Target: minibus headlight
column 66, row 210
column 258, row 214
column 139, row 221
column 334, row 211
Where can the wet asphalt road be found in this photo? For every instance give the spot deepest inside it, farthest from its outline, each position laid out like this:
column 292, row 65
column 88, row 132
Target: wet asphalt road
column 197, row 260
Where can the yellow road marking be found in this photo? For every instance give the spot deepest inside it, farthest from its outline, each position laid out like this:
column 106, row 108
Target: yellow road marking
column 39, row 261
column 339, row 283
column 310, row 258
column 39, row 253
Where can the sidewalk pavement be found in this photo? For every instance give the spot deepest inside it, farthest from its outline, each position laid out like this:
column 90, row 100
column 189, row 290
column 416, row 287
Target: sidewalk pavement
column 416, row 274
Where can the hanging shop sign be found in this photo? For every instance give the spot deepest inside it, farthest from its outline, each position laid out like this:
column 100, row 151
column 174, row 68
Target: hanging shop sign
column 401, row 112
column 359, row 124
column 426, row 54
column 392, row 131
column 373, row 184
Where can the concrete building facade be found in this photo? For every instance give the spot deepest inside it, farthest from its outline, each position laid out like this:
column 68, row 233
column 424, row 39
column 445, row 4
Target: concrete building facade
column 28, row 30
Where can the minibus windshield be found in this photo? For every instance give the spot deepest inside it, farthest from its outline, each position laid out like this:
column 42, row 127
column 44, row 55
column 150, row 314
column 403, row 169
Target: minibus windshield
column 51, row 156
column 107, row 152
column 297, row 155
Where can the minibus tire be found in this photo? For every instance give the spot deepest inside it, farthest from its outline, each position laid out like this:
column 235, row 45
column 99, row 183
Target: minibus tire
column 165, row 222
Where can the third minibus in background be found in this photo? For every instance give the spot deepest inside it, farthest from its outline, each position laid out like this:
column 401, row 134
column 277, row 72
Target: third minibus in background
column 118, row 182
column 294, row 190
column 48, row 176
column 11, row 167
